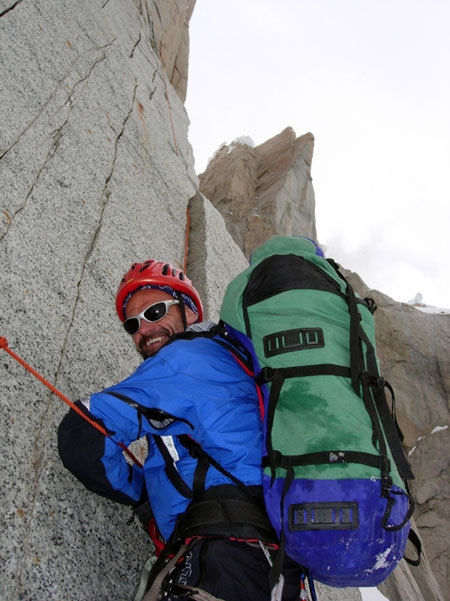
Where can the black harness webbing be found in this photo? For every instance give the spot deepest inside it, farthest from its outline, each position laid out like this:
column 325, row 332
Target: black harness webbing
column 232, row 518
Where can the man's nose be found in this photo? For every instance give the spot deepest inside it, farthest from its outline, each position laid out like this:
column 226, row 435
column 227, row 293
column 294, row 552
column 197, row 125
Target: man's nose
column 145, row 327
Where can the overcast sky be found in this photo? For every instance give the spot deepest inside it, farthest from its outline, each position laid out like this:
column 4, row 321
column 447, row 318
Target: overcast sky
column 370, row 79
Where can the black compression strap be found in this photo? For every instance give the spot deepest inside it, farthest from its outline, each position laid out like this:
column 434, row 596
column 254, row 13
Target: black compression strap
column 355, row 344
column 392, row 431
column 415, row 541
column 322, row 369
column 328, row 458
column 277, row 566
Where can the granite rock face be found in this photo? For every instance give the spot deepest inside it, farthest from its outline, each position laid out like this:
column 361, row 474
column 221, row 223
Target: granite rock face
column 263, row 190
column 96, row 172
column 170, row 24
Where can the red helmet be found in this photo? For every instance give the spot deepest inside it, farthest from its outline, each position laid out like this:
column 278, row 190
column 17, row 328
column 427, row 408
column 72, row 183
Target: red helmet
column 155, row 273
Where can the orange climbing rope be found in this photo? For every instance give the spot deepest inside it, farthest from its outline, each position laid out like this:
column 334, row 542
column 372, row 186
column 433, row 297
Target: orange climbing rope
column 36, row 374
column 186, row 238
column 188, row 218
column 166, row 94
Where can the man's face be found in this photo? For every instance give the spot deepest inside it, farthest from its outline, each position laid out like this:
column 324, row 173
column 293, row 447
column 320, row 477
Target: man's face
column 151, row 336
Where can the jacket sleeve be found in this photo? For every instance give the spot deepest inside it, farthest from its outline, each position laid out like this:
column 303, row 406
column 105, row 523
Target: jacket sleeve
column 97, row 461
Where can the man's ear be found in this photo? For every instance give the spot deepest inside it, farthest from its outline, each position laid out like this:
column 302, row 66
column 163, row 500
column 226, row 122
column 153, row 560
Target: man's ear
column 191, row 316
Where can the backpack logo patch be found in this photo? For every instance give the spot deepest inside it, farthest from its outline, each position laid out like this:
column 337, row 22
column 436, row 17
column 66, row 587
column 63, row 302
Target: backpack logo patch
column 323, row 516
column 289, row 341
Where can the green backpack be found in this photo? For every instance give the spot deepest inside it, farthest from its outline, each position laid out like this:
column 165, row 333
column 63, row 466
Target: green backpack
column 333, row 465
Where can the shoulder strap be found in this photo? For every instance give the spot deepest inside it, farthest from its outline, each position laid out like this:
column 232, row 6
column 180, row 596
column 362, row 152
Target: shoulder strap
column 204, row 460
column 171, row 470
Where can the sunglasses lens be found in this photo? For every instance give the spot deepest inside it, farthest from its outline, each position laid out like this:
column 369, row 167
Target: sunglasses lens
column 131, row 325
column 153, row 313
column 156, row 312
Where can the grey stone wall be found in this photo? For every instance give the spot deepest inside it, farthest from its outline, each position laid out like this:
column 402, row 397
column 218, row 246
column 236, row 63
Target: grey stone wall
column 95, row 171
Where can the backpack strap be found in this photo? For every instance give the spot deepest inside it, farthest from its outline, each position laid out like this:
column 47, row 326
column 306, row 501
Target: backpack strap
column 414, row 539
column 277, row 566
column 356, row 359
column 372, row 380
column 204, row 461
column 171, row 470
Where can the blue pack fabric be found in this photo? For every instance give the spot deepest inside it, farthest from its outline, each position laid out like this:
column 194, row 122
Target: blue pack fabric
column 354, row 554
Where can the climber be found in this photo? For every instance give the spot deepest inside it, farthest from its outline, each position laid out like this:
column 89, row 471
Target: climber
column 191, row 386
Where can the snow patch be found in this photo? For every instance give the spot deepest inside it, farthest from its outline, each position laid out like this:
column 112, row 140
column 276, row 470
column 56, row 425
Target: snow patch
column 381, row 561
column 438, row 429
column 417, row 300
column 417, row 303
column 243, row 140
column 433, row 431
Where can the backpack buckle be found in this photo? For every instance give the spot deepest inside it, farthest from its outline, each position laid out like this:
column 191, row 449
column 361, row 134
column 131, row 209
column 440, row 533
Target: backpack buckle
column 376, row 381
column 265, row 375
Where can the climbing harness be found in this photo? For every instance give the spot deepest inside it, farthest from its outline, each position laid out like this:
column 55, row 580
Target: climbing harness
column 52, row 388
column 153, row 592
column 159, row 582
column 277, row 589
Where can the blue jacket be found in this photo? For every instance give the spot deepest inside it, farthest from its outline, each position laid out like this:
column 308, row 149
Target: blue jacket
column 195, row 387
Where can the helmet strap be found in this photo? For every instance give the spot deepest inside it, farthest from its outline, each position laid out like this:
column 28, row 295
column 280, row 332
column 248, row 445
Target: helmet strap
column 182, row 308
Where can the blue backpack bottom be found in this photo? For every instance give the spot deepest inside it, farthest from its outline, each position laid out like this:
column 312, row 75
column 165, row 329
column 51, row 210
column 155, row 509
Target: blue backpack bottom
column 334, row 528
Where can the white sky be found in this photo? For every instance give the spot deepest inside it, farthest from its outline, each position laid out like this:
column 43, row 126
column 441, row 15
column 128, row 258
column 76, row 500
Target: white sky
column 371, row 80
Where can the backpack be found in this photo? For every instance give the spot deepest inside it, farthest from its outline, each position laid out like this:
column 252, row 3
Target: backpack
column 334, row 470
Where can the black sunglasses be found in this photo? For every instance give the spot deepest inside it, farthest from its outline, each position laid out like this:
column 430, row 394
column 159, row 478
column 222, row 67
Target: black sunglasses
column 152, row 313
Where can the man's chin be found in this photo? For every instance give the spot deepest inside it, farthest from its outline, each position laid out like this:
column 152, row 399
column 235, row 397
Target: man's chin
column 148, row 350
column 145, row 354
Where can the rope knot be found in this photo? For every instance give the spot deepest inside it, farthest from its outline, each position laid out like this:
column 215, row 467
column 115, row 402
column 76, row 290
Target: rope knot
column 3, row 342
